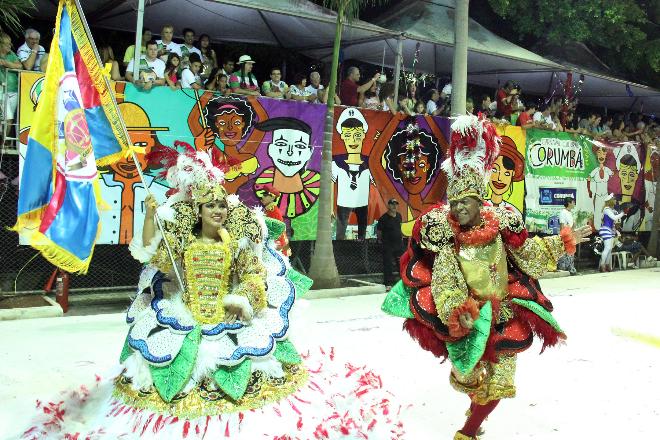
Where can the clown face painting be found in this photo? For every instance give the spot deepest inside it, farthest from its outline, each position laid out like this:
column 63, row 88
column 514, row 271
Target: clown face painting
column 290, row 150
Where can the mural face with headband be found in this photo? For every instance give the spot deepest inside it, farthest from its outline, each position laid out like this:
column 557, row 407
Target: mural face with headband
column 230, row 119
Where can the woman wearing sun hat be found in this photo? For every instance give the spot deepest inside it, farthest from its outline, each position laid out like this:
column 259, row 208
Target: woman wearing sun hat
column 243, row 81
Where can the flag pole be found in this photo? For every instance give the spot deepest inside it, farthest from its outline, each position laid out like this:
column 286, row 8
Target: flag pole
column 135, row 159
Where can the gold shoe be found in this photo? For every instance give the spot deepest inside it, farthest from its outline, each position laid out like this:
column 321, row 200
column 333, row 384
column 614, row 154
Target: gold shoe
column 460, row 436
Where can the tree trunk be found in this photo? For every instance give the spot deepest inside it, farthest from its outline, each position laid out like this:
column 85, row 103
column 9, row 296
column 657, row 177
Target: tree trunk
column 323, row 268
column 655, row 225
column 459, row 69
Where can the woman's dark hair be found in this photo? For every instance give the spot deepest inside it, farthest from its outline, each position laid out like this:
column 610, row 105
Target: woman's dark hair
column 386, row 91
column 233, row 104
column 298, row 78
column 212, row 77
column 412, row 96
column 244, row 77
column 169, row 66
column 105, row 50
column 618, row 120
column 370, row 94
column 205, row 51
column 397, row 145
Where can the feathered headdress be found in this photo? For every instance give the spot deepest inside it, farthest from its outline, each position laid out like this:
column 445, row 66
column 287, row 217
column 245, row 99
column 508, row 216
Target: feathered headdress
column 191, row 175
column 473, row 149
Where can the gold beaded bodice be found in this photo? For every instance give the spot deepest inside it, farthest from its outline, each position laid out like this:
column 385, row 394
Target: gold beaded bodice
column 208, row 275
column 484, row 268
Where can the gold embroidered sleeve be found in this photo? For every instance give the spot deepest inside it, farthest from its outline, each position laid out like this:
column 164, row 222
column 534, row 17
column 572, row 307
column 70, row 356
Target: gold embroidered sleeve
column 448, row 285
column 251, row 276
column 178, row 234
column 435, row 231
column 538, row 255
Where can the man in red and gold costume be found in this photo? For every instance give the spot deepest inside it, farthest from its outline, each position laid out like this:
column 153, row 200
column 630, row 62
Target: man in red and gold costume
column 268, row 199
column 469, row 288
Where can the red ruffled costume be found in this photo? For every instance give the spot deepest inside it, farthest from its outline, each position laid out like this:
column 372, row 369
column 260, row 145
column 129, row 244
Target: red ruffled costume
column 513, row 336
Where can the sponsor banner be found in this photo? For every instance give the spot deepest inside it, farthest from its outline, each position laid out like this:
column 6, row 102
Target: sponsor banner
column 560, row 165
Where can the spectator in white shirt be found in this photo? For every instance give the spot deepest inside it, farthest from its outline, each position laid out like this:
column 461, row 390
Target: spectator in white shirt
column 30, row 53
column 543, row 118
column 190, row 78
column 166, row 45
column 186, row 49
column 298, row 90
column 432, row 104
column 315, row 85
column 152, row 69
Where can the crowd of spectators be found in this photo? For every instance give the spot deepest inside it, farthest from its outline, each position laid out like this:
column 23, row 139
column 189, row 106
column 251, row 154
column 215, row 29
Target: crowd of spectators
column 193, row 64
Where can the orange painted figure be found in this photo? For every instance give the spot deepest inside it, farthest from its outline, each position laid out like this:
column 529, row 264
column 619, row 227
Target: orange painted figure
column 230, row 120
column 123, row 190
column 268, row 197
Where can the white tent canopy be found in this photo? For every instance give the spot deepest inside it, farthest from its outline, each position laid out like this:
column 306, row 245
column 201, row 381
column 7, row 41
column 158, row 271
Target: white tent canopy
column 290, row 24
column 492, row 60
column 300, row 25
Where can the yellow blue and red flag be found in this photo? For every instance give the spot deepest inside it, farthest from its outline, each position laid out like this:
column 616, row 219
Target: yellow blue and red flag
column 77, row 127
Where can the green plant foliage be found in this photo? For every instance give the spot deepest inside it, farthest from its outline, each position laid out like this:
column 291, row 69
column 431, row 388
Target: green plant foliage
column 11, row 11
column 170, row 380
column 625, row 33
column 351, row 8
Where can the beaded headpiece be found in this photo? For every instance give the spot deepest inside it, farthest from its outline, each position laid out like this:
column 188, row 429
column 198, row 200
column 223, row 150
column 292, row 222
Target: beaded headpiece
column 191, row 174
column 473, row 149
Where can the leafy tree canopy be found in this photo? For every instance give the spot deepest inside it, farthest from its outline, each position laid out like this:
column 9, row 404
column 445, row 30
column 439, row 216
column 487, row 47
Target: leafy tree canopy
column 624, row 33
column 10, row 12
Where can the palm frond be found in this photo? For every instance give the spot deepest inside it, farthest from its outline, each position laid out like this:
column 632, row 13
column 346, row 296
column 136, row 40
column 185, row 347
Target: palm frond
column 11, row 11
column 351, row 8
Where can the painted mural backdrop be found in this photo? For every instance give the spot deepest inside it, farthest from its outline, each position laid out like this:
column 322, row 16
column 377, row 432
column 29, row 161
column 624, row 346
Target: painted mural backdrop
column 506, row 186
column 560, row 165
column 378, row 156
column 265, row 141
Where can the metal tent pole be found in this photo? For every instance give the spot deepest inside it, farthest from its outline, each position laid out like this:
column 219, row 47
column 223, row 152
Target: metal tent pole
column 138, row 40
column 459, row 68
column 397, row 70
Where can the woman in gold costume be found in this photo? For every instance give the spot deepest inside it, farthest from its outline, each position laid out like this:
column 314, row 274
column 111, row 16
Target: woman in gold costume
column 207, row 353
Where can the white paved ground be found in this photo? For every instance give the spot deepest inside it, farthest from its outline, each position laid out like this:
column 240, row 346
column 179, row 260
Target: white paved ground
column 599, row 386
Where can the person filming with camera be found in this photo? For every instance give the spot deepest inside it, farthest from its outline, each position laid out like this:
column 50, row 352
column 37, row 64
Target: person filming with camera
column 505, row 100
